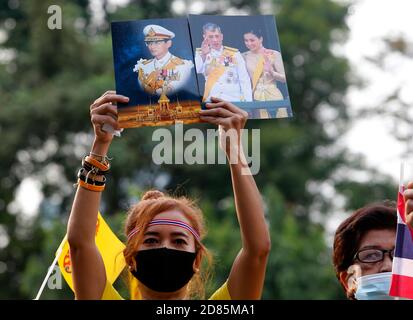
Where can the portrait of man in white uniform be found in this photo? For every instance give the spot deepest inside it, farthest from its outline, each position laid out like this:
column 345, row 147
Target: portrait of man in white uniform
column 164, row 73
column 223, row 68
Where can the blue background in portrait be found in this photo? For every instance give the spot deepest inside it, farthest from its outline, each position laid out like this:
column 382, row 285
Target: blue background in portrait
column 233, row 29
column 129, row 46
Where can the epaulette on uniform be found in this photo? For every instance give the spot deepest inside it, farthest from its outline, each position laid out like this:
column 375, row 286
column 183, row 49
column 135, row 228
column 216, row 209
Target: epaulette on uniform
column 177, row 61
column 147, row 61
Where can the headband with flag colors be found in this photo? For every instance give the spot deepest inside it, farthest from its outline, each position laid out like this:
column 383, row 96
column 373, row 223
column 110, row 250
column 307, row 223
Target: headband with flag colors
column 171, row 222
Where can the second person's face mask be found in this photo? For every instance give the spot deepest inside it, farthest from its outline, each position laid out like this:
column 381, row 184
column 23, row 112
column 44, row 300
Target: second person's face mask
column 163, row 269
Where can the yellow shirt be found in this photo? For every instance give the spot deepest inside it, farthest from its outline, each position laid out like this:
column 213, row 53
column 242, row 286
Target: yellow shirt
column 110, row 293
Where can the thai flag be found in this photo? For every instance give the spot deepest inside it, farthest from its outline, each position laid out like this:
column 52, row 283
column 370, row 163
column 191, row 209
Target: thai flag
column 402, row 271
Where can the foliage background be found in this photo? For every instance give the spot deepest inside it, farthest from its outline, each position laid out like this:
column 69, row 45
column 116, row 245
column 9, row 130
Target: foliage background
column 48, row 79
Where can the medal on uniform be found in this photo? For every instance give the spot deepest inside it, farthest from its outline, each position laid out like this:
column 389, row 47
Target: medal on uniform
column 230, row 75
column 226, row 61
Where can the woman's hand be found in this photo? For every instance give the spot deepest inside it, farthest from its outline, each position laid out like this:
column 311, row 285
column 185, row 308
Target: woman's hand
column 268, row 68
column 104, row 110
column 408, row 198
column 230, row 120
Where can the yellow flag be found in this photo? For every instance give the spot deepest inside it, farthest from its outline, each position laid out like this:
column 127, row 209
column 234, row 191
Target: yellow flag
column 110, row 248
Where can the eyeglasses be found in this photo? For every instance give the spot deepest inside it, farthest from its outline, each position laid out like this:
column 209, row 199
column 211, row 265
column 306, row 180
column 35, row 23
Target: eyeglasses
column 154, row 43
column 373, row 255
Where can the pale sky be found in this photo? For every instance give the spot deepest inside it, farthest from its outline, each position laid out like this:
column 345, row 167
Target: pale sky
column 370, row 21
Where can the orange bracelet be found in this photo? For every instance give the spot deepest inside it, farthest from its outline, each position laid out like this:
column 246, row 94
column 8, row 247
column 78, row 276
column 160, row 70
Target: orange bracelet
column 90, row 187
column 97, row 164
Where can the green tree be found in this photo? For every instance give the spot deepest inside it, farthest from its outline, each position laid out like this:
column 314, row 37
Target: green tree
column 51, row 78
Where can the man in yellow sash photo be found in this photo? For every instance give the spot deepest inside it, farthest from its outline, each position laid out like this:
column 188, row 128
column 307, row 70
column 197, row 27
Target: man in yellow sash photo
column 165, row 73
column 226, row 76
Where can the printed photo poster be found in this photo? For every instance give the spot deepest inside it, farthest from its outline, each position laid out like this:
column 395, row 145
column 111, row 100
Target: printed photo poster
column 238, row 59
column 153, row 62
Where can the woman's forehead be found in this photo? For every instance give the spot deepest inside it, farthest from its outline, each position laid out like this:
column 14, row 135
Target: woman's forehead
column 174, row 215
column 167, row 230
column 378, row 238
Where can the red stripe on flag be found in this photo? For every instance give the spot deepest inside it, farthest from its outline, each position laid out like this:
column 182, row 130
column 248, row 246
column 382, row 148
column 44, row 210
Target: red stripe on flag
column 400, row 206
column 401, row 286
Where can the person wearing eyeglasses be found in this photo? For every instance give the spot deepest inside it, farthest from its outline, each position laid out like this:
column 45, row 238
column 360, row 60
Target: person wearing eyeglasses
column 165, row 73
column 363, row 251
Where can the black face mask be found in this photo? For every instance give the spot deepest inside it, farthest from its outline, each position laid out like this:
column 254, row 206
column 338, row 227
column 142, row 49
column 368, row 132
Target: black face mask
column 164, row 270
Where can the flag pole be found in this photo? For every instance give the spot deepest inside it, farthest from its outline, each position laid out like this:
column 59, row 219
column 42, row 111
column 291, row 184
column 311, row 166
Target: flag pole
column 46, row 278
column 58, row 252
column 401, row 178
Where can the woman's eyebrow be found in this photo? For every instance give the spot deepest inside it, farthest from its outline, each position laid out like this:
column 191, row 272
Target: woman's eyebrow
column 370, row 247
column 177, row 234
column 151, row 233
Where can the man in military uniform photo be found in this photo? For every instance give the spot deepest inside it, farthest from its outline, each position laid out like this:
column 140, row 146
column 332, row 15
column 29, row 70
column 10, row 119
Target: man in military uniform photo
column 165, row 73
column 223, row 67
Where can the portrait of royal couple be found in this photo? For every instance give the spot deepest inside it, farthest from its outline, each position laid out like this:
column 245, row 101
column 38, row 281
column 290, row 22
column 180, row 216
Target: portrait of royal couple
column 215, row 57
column 233, row 76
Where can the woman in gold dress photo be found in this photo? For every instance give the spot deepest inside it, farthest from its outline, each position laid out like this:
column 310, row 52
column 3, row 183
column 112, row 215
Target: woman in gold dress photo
column 265, row 67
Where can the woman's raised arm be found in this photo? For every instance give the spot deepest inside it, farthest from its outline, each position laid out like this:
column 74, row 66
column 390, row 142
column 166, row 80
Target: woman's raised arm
column 88, row 270
column 246, row 278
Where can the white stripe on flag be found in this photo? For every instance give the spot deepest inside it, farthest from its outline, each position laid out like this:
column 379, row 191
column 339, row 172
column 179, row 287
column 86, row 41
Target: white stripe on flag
column 399, row 219
column 403, row 267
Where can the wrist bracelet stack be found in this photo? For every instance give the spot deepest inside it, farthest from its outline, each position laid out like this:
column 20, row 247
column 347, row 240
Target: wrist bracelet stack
column 91, row 175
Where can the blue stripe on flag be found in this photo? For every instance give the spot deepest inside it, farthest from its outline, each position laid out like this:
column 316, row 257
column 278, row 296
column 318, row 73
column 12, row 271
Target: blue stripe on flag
column 404, row 242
